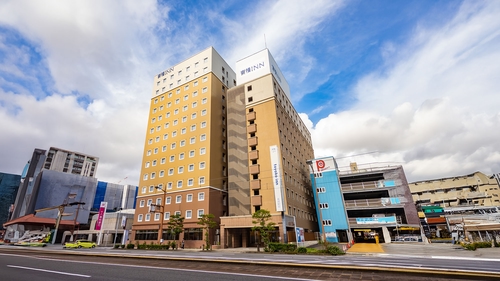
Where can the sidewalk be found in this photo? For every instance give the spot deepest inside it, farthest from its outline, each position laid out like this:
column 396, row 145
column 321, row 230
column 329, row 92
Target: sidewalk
column 439, row 250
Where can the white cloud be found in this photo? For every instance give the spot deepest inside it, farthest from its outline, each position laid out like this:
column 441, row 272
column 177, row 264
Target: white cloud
column 434, row 106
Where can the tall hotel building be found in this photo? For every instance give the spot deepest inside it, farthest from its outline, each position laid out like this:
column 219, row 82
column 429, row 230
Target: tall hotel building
column 217, row 147
column 268, row 145
column 185, row 150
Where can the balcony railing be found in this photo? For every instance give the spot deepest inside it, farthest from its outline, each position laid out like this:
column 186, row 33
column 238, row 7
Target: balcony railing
column 371, row 203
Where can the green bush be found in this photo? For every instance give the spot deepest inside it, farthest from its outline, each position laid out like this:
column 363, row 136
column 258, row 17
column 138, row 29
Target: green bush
column 130, row 246
column 282, row 248
column 302, row 250
column 116, row 246
column 334, row 250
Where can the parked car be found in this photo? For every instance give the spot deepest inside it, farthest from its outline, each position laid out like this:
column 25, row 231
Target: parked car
column 79, row 244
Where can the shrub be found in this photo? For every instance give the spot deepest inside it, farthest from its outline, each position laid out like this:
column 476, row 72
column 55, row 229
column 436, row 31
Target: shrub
column 334, row 250
column 116, row 246
column 130, row 246
column 282, row 248
column 302, row 250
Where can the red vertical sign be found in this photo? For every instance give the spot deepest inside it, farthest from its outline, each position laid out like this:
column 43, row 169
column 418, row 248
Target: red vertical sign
column 100, row 217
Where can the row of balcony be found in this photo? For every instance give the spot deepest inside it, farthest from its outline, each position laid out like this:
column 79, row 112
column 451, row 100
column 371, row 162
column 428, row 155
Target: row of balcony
column 255, row 200
column 370, row 203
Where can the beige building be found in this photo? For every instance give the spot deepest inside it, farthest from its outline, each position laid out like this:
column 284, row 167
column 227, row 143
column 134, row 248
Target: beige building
column 71, row 162
column 268, row 145
column 475, row 189
column 184, row 167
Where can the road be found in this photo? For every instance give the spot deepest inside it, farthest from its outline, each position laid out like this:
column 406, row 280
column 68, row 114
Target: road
column 306, row 267
column 22, row 268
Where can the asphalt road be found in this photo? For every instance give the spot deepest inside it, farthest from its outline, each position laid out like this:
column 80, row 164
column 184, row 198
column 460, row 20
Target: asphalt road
column 22, row 268
column 196, row 265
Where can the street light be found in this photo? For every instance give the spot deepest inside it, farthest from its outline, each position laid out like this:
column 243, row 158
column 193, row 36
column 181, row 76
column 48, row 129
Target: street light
column 309, row 162
column 116, row 225
column 160, row 230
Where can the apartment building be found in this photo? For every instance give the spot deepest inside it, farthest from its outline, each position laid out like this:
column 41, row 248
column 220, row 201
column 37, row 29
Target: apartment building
column 363, row 203
column 268, row 145
column 184, row 168
column 476, row 189
column 71, row 162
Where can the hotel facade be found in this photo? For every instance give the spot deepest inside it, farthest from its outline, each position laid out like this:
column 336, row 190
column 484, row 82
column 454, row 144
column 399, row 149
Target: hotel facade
column 227, row 144
column 184, row 168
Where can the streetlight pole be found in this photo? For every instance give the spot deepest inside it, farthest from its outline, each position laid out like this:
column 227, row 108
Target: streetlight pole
column 160, row 229
column 309, row 162
column 116, row 225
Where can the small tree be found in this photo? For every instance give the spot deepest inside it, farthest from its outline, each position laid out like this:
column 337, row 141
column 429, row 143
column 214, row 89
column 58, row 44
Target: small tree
column 261, row 223
column 207, row 221
column 175, row 226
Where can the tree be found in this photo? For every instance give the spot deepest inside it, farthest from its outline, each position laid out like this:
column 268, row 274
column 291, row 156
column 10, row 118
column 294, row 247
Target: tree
column 207, row 221
column 261, row 223
column 175, row 226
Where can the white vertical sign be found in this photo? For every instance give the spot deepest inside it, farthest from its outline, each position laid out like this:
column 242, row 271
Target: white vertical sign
column 276, row 171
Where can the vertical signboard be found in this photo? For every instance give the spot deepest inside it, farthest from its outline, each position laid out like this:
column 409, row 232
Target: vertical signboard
column 100, row 217
column 276, row 171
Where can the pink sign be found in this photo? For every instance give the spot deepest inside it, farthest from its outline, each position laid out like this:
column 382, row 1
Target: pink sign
column 100, row 217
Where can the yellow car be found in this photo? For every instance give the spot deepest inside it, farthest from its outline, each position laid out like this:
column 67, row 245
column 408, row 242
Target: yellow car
column 80, row 244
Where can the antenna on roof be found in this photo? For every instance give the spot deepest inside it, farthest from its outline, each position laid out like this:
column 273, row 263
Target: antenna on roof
column 265, row 42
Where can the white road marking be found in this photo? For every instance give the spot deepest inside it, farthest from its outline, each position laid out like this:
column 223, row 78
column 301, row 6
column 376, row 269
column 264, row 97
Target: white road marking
column 50, row 271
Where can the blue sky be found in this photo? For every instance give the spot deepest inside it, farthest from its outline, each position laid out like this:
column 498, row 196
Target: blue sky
column 406, row 82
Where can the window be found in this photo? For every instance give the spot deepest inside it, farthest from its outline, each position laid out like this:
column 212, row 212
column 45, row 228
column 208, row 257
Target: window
column 195, row 93
column 172, row 146
column 139, row 218
column 148, row 217
column 193, row 128
column 174, row 133
column 153, row 120
column 321, row 189
column 179, row 184
column 142, row 203
column 147, row 165
column 143, row 189
column 249, row 88
column 162, row 173
column 152, row 130
column 164, row 148
column 323, row 205
column 205, row 69
column 201, row 196
column 183, row 131
column 145, row 177
column 203, row 151
column 205, row 79
column 203, row 137
column 167, row 216
column 154, row 162
column 189, row 198
column 195, row 82
column 178, row 199
column 157, row 139
column 191, row 153
column 149, row 152
column 204, row 90
column 327, row 222
column 191, row 167
column 202, row 165
column 169, row 185
column 182, row 143
column 204, row 101
column 203, row 112
column 177, row 101
column 165, row 136
column 150, row 201
column 150, row 141
column 193, row 116
column 166, row 127
column 172, row 158
column 205, row 60
column 184, row 119
column 189, row 214
column 201, row 212
column 169, row 104
column 153, row 175
column 180, row 170
column 168, row 200
column 161, row 116
column 194, row 104
column 158, row 128
column 192, row 140
column 170, row 171
column 202, row 180
column 156, row 151
column 163, row 160
column 157, row 217
column 204, row 124
column 176, row 111
column 178, row 213
column 186, row 97
column 185, row 108
column 181, row 156
column 190, row 182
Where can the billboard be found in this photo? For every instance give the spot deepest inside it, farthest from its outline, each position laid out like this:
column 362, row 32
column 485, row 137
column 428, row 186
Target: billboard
column 276, row 175
column 100, row 217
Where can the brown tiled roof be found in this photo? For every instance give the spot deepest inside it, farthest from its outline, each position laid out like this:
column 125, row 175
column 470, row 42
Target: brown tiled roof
column 32, row 219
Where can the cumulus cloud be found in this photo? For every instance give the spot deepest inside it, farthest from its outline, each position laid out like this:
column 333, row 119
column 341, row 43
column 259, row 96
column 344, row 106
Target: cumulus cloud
column 433, row 106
